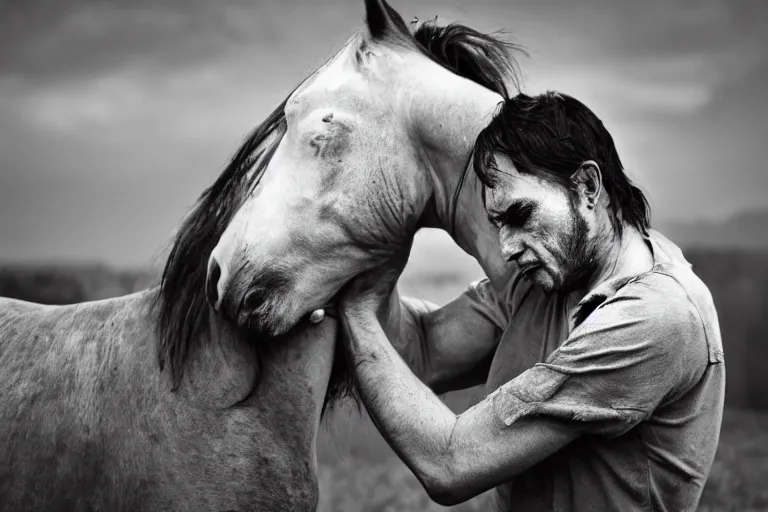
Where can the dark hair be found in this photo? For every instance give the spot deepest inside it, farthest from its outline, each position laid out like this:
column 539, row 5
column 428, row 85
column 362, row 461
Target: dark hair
column 183, row 309
column 550, row 136
column 482, row 58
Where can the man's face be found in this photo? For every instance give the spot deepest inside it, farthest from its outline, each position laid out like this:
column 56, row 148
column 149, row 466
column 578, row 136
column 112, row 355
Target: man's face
column 541, row 229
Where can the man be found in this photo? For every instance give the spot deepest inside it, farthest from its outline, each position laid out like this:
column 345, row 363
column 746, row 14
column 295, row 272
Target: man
column 607, row 376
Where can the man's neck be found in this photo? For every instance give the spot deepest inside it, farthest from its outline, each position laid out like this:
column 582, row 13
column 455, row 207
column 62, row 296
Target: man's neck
column 621, row 255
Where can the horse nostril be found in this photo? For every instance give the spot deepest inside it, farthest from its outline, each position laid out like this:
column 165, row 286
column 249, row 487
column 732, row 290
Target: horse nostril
column 212, row 286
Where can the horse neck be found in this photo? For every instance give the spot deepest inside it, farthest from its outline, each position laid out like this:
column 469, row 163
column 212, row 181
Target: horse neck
column 287, row 377
column 450, row 113
column 222, row 367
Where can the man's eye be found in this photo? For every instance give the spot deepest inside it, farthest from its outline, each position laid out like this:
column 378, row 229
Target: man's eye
column 518, row 220
column 516, row 216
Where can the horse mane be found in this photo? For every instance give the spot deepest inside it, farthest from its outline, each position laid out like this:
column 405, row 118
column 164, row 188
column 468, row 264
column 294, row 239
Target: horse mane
column 482, row 58
column 183, row 310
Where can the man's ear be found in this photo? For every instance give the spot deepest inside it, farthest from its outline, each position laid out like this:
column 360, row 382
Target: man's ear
column 589, row 182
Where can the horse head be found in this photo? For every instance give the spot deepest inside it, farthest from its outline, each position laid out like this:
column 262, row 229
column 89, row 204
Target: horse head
column 357, row 164
column 371, row 147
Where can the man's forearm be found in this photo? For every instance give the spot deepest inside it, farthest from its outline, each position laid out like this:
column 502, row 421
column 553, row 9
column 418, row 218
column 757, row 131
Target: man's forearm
column 414, row 421
column 403, row 324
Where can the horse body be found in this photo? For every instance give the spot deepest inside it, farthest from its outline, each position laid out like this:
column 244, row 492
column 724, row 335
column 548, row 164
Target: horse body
column 207, row 392
column 90, row 424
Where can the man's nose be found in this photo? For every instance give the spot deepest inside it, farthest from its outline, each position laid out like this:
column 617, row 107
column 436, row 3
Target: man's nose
column 511, row 247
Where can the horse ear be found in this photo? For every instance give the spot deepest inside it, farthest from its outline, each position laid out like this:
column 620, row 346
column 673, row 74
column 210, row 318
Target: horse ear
column 384, row 23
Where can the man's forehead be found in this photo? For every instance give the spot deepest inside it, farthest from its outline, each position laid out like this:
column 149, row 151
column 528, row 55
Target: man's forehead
column 500, row 198
column 512, row 188
column 508, row 176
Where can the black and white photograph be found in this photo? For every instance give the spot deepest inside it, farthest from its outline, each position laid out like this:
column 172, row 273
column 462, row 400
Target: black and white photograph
column 383, row 255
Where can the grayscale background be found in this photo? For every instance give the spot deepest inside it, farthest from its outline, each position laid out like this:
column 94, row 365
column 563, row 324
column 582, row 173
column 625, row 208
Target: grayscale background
column 115, row 115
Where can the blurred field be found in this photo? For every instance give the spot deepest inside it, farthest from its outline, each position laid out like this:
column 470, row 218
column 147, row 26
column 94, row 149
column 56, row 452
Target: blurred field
column 358, row 471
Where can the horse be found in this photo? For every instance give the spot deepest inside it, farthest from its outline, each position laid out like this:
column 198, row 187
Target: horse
column 206, row 391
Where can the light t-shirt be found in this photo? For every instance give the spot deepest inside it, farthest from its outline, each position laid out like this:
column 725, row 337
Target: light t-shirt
column 637, row 367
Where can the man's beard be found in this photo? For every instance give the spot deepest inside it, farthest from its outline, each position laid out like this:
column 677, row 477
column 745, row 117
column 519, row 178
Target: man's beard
column 577, row 260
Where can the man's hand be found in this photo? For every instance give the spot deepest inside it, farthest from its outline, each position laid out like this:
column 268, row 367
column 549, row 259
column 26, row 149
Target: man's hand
column 369, row 292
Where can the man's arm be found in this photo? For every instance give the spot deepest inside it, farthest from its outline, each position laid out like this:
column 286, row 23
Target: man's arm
column 448, row 347
column 636, row 350
column 443, row 347
column 454, row 457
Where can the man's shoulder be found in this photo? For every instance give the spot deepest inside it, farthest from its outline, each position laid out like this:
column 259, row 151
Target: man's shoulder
column 662, row 313
column 652, row 309
column 671, row 262
column 680, row 322
column 690, row 304
column 660, row 286
column 652, row 296
column 673, row 293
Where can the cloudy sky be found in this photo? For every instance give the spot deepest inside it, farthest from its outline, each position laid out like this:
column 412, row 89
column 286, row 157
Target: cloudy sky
column 114, row 115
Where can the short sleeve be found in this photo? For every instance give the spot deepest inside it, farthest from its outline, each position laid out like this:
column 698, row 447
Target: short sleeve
column 615, row 369
column 498, row 306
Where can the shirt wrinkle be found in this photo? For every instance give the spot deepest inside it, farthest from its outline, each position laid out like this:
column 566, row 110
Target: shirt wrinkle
column 638, row 360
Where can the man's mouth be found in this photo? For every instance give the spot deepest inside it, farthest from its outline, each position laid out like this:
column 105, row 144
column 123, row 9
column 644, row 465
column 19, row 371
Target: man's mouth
column 528, row 268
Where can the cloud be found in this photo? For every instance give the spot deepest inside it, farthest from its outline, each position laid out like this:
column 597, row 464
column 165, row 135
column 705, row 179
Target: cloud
column 115, row 115
column 93, row 63
column 44, row 41
column 98, row 102
column 634, row 90
column 659, row 56
column 52, row 40
column 681, row 27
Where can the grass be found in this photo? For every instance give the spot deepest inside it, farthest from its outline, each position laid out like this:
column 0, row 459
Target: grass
column 739, row 477
column 358, row 472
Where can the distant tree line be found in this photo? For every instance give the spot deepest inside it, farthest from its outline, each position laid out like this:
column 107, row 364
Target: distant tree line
column 738, row 280
column 69, row 284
